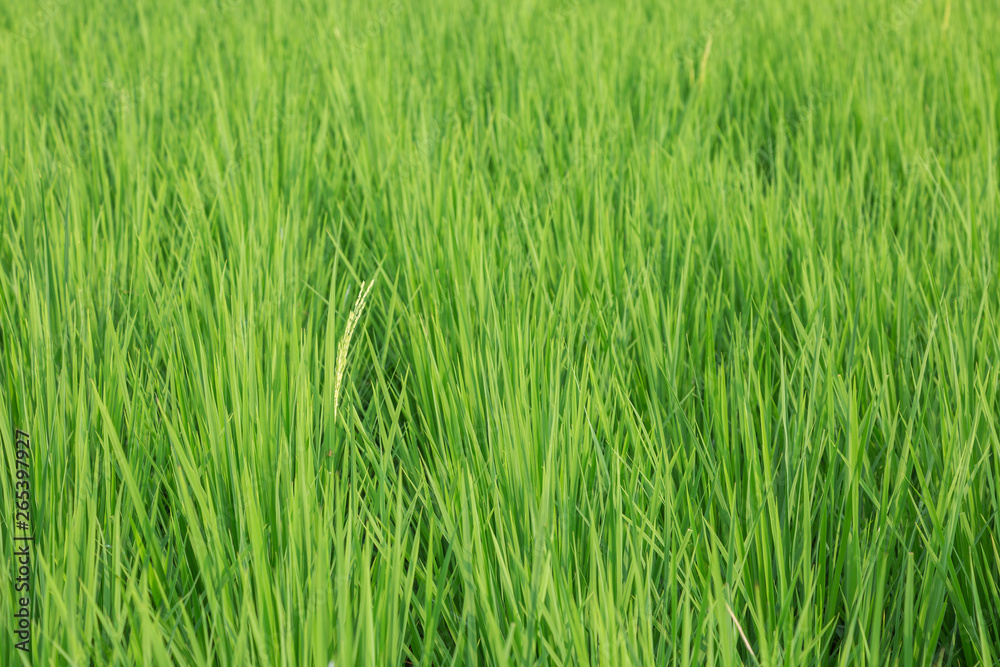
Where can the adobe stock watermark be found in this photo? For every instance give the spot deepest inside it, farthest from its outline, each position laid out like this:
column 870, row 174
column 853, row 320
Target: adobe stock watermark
column 563, row 10
column 693, row 48
column 902, row 12
column 121, row 100
column 797, row 120
column 354, row 44
column 255, row 142
column 41, row 18
column 455, row 116
column 22, row 539
column 586, row 160
column 358, row 40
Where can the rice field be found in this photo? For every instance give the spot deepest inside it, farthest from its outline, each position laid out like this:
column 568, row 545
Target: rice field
column 545, row 332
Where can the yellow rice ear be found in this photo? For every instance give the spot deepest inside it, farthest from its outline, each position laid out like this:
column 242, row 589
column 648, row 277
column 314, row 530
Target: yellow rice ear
column 345, row 341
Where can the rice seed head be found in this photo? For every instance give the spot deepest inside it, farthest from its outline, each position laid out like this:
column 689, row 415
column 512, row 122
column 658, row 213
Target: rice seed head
column 345, row 341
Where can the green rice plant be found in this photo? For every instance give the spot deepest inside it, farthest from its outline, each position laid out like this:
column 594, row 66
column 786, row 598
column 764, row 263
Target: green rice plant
column 683, row 350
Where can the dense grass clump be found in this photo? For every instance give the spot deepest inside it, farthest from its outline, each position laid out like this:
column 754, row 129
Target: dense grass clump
column 682, row 344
